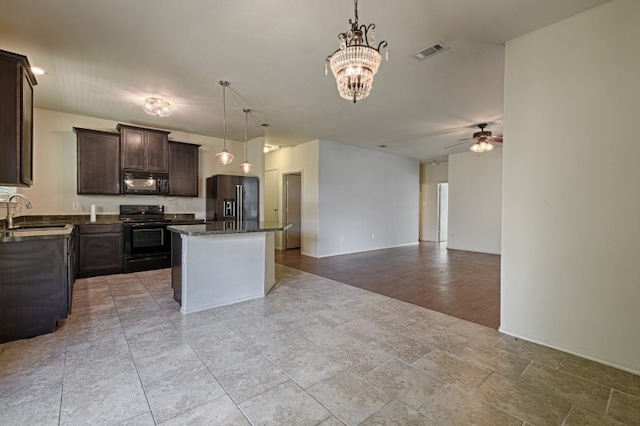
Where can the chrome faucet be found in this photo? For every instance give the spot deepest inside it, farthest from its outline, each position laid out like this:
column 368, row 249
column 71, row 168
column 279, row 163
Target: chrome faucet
column 9, row 214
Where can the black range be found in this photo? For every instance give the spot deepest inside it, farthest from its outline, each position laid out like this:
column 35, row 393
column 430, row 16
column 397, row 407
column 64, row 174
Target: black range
column 147, row 243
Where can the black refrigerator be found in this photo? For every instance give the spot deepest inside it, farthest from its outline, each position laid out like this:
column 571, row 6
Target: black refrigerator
column 232, row 198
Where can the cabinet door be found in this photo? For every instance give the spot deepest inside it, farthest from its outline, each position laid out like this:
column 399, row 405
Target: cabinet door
column 33, row 287
column 133, row 149
column 157, row 152
column 16, row 120
column 26, row 136
column 98, row 162
column 183, row 169
column 99, row 253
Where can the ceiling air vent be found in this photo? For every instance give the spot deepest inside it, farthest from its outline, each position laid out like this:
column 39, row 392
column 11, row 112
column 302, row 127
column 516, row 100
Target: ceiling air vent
column 435, row 48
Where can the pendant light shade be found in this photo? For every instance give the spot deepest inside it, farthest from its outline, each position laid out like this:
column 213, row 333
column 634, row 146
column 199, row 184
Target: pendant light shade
column 224, row 157
column 246, row 167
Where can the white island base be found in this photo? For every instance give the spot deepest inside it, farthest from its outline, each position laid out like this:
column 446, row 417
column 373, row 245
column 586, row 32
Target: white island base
column 220, row 269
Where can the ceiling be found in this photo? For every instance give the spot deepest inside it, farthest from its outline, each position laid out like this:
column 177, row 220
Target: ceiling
column 103, row 58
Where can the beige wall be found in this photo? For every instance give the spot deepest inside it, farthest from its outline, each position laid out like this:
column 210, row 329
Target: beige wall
column 571, row 204
column 302, row 159
column 54, row 188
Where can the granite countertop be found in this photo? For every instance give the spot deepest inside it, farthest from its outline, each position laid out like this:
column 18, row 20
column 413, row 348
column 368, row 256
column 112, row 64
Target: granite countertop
column 101, row 219
column 24, row 234
column 66, row 223
column 217, row 228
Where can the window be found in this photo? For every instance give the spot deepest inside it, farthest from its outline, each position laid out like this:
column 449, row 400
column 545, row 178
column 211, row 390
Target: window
column 6, row 191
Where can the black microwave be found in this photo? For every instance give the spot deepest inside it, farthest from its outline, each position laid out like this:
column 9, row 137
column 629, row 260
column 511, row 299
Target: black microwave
column 145, row 183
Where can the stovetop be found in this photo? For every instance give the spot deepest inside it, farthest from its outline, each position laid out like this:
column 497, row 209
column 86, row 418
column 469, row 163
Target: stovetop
column 152, row 213
column 142, row 213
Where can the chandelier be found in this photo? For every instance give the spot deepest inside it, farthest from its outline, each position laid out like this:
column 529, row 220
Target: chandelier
column 157, row 106
column 246, row 167
column 224, row 157
column 357, row 60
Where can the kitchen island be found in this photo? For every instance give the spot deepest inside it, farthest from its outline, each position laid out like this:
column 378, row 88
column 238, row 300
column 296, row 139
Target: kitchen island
column 219, row 263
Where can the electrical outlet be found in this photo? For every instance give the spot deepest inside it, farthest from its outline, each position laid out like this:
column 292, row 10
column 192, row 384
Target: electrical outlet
column 75, row 206
column 373, row 236
column 341, row 239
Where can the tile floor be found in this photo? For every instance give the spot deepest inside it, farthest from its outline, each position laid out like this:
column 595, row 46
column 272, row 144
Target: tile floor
column 460, row 283
column 313, row 352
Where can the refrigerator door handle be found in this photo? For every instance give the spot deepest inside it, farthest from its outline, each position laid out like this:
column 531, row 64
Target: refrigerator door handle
column 239, row 202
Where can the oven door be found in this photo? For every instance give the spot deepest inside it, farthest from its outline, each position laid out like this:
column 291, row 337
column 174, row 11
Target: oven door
column 141, row 238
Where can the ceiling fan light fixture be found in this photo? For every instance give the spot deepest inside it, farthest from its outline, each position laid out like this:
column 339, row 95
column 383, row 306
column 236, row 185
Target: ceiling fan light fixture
column 357, row 60
column 481, row 146
column 483, row 140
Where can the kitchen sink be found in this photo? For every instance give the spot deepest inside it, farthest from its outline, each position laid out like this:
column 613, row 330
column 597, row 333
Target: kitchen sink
column 35, row 227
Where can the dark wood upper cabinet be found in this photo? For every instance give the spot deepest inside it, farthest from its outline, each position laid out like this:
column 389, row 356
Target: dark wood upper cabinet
column 16, row 120
column 98, row 162
column 144, row 149
column 183, row 169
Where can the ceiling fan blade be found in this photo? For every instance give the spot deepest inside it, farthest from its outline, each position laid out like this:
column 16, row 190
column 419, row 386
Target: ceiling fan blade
column 496, row 139
column 454, row 145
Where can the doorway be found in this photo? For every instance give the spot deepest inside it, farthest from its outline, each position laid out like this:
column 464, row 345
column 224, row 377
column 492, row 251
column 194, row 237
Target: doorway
column 443, row 211
column 292, row 209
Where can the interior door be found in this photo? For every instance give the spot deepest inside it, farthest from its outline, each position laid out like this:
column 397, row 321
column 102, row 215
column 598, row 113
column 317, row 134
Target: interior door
column 443, row 211
column 293, row 204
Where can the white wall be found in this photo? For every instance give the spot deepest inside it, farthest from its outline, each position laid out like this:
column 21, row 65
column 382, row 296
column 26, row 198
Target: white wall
column 475, row 201
column 54, row 163
column 571, row 204
column 368, row 200
column 430, row 176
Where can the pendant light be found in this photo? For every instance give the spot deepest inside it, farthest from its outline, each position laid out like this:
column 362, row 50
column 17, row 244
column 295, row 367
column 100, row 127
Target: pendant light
column 265, row 148
column 224, row 157
column 246, row 167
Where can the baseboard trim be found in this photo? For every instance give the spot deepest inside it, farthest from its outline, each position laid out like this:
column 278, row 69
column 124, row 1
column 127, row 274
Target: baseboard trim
column 370, row 249
column 624, row 367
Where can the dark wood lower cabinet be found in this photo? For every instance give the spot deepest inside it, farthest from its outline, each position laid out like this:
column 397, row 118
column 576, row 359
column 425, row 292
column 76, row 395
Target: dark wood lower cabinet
column 36, row 287
column 99, row 249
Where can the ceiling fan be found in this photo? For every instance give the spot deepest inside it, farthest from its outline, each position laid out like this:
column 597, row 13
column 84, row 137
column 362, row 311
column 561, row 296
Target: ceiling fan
column 482, row 139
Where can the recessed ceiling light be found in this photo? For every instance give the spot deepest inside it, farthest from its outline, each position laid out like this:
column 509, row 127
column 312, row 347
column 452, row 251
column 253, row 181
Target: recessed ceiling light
column 37, row 71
